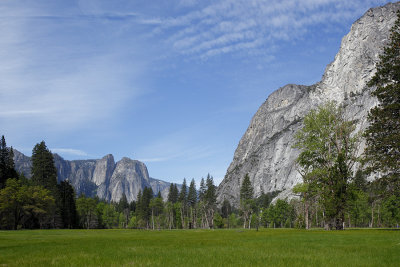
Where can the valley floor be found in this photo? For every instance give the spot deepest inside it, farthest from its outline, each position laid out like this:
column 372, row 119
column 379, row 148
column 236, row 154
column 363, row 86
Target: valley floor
column 234, row 247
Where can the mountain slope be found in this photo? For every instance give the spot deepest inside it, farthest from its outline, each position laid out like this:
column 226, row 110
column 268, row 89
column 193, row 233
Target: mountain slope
column 265, row 151
column 103, row 177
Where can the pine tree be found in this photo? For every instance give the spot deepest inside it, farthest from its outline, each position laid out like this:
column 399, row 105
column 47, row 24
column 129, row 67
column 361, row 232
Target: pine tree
column 203, row 188
column 383, row 134
column 246, row 190
column 7, row 168
column 192, row 195
column 192, row 200
column 246, row 200
column 67, row 205
column 44, row 172
column 183, row 194
column 173, row 193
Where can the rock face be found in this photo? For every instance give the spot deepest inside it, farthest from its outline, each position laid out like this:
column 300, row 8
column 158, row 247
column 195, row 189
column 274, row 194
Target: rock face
column 265, row 151
column 101, row 177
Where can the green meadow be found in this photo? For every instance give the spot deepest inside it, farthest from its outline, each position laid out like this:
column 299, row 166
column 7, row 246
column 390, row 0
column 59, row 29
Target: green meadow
column 267, row 247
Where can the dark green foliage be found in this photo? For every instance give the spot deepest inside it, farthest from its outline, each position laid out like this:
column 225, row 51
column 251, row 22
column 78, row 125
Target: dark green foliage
column 192, row 194
column 210, row 193
column 173, row 193
column 183, row 194
column 143, row 210
column 23, row 206
column 67, row 205
column 86, row 208
column 122, row 204
column 383, row 134
column 226, row 209
column 264, row 200
column 280, row 215
column 246, row 190
column 44, row 172
column 202, row 190
column 7, row 168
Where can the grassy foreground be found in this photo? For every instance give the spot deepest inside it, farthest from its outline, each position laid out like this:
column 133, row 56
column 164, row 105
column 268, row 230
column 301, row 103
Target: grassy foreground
column 268, row 247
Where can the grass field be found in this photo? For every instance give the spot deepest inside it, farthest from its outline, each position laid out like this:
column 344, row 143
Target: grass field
column 268, row 247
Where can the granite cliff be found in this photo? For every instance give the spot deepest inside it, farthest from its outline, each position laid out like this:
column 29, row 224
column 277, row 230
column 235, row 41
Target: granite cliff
column 265, row 151
column 103, row 177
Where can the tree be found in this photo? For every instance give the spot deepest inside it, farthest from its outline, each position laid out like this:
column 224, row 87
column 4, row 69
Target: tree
column 192, row 200
column 7, row 169
column 383, row 134
column 328, row 154
column 210, row 200
column 86, row 208
column 246, row 200
column 44, row 172
column 23, row 206
column 173, row 193
column 67, row 205
column 110, row 216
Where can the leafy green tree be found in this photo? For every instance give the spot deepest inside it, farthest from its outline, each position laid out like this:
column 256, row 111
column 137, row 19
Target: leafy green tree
column 110, row 216
column 23, row 206
column 328, row 154
column 383, row 134
column 86, row 208
column 44, row 172
column 218, row 220
column 157, row 207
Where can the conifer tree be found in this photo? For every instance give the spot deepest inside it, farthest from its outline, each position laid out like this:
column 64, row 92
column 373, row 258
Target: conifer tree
column 7, row 169
column 44, row 172
column 67, row 205
column 192, row 194
column 383, row 134
column 183, row 194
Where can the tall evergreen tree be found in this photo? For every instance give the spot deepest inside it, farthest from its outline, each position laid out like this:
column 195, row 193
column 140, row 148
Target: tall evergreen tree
column 246, row 200
column 173, row 193
column 383, row 134
column 192, row 200
column 203, row 188
column 210, row 200
column 183, row 194
column 192, row 194
column 7, row 169
column 44, row 172
column 246, row 190
column 67, row 205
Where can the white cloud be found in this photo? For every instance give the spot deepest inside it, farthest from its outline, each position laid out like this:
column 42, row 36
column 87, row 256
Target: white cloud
column 54, row 76
column 238, row 25
column 69, row 151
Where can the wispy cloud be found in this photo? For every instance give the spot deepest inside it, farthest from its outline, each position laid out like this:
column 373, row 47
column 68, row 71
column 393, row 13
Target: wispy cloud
column 59, row 72
column 69, row 151
column 241, row 25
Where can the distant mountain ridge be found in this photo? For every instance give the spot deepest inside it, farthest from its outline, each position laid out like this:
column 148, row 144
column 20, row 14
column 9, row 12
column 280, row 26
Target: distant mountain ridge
column 266, row 151
column 104, row 177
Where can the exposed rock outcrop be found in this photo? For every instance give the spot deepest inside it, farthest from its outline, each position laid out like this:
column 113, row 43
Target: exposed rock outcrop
column 101, row 177
column 266, row 150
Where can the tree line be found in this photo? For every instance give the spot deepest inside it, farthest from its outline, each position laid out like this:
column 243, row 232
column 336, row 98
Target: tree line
column 335, row 192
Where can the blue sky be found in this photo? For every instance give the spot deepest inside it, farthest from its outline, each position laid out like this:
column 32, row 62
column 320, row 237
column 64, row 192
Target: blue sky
column 172, row 83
